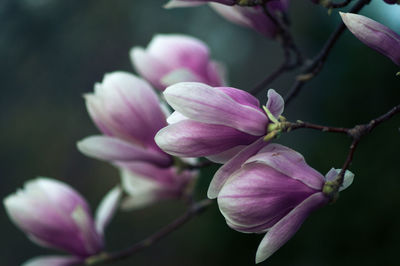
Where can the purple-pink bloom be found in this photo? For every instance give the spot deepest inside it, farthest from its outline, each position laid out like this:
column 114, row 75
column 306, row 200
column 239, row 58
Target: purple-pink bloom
column 172, row 58
column 374, row 35
column 273, row 191
column 54, row 215
column 187, row 3
column 215, row 122
column 128, row 113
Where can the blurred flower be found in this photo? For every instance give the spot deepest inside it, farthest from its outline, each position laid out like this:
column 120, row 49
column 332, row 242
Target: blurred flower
column 214, row 122
column 146, row 184
column 374, row 35
column 54, row 215
column 186, row 3
column 127, row 111
column 253, row 17
column 273, row 191
column 173, row 58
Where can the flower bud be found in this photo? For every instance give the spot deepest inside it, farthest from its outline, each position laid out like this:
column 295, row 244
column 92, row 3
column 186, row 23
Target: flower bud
column 53, row 214
column 273, row 191
column 127, row 111
column 374, row 35
column 173, row 58
column 214, row 122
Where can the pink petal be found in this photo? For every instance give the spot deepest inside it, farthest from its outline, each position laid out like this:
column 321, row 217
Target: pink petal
column 205, row 104
column 189, row 138
column 282, row 231
column 114, row 149
column 290, row 163
column 231, row 166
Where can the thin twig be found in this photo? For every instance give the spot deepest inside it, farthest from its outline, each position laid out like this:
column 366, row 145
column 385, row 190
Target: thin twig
column 316, row 65
column 195, row 209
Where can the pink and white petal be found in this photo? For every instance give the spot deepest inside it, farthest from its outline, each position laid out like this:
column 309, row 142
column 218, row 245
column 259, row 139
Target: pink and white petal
column 93, row 242
column 282, row 231
column 240, row 96
column 225, row 156
column 96, row 112
column 133, row 106
column 149, row 67
column 176, row 117
column 107, row 208
column 290, row 163
column 142, row 190
column 180, row 51
column 189, row 138
column 53, row 261
column 275, row 103
column 206, row 104
column 179, row 75
column 113, row 149
column 223, row 173
column 182, row 3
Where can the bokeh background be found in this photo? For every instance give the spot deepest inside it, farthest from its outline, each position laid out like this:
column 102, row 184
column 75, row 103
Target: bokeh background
column 51, row 52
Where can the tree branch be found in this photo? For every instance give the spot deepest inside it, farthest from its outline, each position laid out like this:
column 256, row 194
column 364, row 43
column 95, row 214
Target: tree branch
column 194, row 210
column 316, row 65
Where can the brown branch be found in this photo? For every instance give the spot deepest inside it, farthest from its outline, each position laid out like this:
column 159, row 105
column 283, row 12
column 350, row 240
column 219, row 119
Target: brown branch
column 194, row 210
column 316, row 65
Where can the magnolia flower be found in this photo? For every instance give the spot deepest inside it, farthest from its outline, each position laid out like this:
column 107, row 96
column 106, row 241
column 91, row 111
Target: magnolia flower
column 173, row 58
column 127, row 111
column 52, row 214
column 273, row 191
column 214, row 122
column 374, row 35
column 186, row 3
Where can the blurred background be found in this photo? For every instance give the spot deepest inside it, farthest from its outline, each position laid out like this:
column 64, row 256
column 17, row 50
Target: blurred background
column 51, row 52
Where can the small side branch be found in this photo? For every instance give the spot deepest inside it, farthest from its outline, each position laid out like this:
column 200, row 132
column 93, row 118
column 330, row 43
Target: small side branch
column 194, row 210
column 317, row 64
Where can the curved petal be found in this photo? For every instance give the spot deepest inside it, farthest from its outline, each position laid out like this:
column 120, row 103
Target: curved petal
column 113, row 149
column 206, row 104
column 53, row 261
column 231, row 166
column 290, row 163
column 149, row 67
column 180, row 51
column 189, row 138
column 225, row 156
column 240, row 96
column 282, row 231
column 179, row 75
column 132, row 106
column 275, row 103
column 107, row 208
column 176, row 117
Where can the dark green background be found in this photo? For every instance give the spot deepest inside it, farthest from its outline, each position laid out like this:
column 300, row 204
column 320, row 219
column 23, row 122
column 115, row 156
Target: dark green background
column 51, row 52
